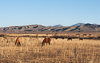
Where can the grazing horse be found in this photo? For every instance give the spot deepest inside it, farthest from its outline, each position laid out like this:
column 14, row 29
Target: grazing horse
column 69, row 38
column 18, row 40
column 92, row 38
column 62, row 37
column 46, row 40
column 55, row 37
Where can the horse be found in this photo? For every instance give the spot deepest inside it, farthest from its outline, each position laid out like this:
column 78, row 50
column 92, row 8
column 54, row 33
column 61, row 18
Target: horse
column 46, row 40
column 18, row 40
column 69, row 38
column 92, row 38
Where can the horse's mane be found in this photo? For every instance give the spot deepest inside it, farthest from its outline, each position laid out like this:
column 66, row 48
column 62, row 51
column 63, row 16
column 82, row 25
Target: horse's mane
column 16, row 40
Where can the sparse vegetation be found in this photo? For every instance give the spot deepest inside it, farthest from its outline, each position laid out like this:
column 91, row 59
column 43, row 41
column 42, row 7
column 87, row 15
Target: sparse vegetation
column 60, row 50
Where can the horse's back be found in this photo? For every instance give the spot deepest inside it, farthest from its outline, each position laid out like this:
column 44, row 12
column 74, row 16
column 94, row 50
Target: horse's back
column 47, row 40
column 19, row 39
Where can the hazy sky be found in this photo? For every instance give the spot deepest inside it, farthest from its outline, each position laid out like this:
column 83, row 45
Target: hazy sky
column 48, row 12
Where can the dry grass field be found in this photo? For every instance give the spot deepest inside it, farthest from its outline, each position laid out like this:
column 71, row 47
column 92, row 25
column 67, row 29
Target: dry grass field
column 59, row 51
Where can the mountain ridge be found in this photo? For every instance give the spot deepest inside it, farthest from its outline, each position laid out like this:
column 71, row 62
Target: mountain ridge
column 52, row 29
column 78, row 24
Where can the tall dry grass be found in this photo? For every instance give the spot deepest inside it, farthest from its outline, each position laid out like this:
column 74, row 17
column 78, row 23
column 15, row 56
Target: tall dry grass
column 59, row 51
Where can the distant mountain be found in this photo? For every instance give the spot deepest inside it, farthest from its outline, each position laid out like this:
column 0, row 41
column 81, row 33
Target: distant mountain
column 58, row 25
column 79, row 27
column 78, row 24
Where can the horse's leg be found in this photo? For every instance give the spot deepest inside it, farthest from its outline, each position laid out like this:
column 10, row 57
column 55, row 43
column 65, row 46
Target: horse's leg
column 46, row 43
column 43, row 43
column 49, row 43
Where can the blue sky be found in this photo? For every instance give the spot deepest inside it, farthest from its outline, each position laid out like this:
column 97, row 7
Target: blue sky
column 48, row 12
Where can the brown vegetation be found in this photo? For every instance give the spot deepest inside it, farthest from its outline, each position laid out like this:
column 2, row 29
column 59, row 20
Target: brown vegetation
column 60, row 50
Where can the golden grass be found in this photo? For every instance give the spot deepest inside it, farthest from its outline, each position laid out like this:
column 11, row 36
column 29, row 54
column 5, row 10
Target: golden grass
column 60, row 51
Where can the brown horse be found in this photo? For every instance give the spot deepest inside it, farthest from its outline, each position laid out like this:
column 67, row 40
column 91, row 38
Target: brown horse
column 69, row 38
column 18, row 40
column 46, row 40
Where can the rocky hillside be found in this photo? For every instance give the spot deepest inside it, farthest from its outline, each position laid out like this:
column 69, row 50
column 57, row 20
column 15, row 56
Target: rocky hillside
column 50, row 29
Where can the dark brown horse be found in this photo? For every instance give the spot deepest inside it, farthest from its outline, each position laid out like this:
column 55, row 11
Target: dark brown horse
column 18, row 40
column 69, row 38
column 92, row 38
column 46, row 40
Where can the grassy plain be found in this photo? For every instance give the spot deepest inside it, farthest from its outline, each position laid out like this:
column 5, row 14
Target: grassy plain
column 59, row 51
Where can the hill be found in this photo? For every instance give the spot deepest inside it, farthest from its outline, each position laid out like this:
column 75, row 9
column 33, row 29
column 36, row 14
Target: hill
column 50, row 29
